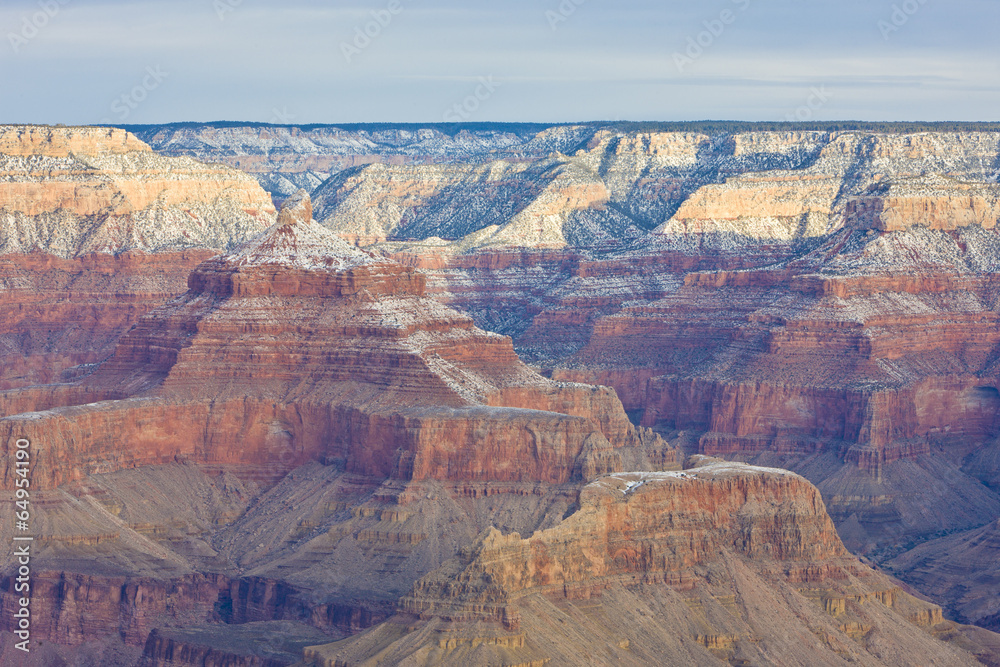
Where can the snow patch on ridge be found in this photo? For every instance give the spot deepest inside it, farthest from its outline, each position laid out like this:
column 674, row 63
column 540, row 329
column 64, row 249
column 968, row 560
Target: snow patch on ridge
column 297, row 241
column 627, row 482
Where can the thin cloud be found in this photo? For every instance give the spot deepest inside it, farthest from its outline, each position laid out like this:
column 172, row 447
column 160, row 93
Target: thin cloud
column 603, row 61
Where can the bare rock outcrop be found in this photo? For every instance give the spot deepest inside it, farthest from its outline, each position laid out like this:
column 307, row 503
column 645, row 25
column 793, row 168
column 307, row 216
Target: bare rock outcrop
column 73, row 191
column 955, row 570
column 95, row 231
column 803, row 296
column 822, row 301
column 296, row 349
column 286, row 158
column 348, row 360
column 668, row 568
column 64, row 142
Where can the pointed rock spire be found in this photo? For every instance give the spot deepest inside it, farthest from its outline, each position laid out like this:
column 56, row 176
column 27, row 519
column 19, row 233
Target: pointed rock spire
column 297, row 209
column 297, row 241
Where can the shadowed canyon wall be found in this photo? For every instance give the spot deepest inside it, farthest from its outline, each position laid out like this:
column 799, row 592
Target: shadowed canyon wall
column 299, row 436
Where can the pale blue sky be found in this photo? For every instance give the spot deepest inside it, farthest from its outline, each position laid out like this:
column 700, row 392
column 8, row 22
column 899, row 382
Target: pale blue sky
column 91, row 61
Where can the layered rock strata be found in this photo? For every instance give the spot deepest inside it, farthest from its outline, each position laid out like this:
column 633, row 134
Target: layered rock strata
column 296, row 348
column 810, row 299
column 95, row 231
column 74, row 191
column 285, row 158
column 252, row 645
column 335, row 341
column 60, row 317
column 824, row 301
column 698, row 192
column 668, row 568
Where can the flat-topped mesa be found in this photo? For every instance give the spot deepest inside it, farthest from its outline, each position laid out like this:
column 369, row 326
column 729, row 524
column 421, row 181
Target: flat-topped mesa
column 770, row 516
column 74, row 191
column 722, row 563
column 808, row 292
column 28, row 140
column 298, row 257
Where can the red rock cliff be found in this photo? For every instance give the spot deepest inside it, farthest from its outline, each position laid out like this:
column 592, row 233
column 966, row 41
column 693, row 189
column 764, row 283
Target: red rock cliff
column 302, row 346
column 693, row 567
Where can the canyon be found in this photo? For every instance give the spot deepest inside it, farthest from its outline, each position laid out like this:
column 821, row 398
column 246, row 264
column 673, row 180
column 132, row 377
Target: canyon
column 286, row 158
column 96, row 230
column 662, row 568
column 335, row 451
column 820, row 301
column 807, row 299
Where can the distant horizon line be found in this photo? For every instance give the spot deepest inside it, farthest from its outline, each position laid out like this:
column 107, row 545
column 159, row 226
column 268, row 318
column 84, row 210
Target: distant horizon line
column 634, row 125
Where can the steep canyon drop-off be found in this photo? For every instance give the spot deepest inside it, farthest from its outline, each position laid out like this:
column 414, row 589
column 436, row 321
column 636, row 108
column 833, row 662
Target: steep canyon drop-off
column 347, row 446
